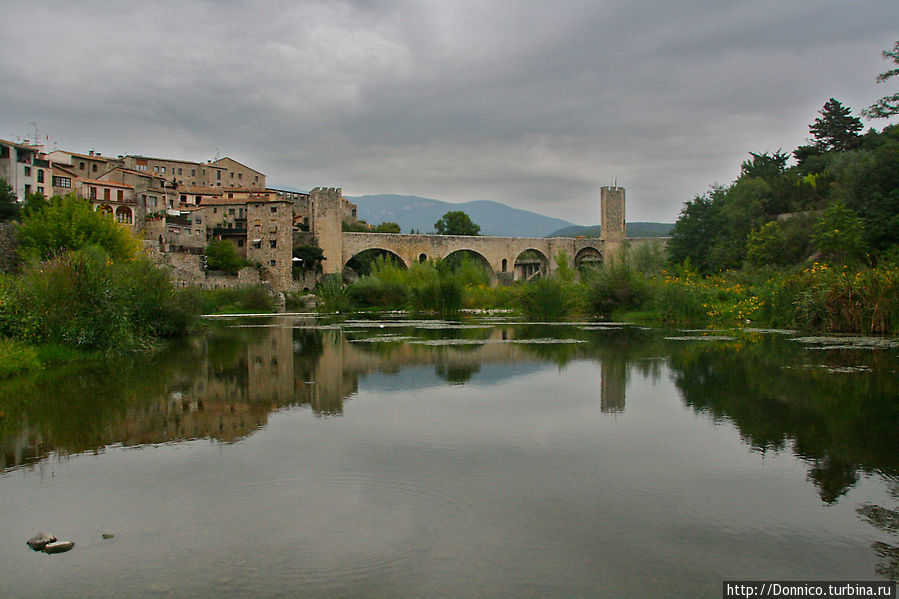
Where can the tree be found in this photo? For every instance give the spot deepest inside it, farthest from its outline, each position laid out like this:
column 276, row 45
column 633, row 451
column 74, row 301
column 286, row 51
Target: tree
column 839, row 234
column 388, row 227
column 35, row 202
column 836, row 130
column 221, row 255
column 310, row 258
column 9, row 207
column 887, row 106
column 456, row 222
column 765, row 166
column 69, row 223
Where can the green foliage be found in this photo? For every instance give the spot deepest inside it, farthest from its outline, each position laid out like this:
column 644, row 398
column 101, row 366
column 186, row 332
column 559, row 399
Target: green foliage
column 836, row 130
column 616, row 286
column 239, row 300
column 456, row 222
column 69, row 223
column 222, row 255
column 388, row 227
column 333, row 295
column 548, row 299
column 311, row 257
column 17, row 357
column 779, row 243
column 888, row 105
column 35, row 202
column 9, row 206
column 839, row 235
column 83, row 299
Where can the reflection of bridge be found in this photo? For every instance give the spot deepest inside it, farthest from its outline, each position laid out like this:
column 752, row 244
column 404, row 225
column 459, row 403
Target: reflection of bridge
column 499, row 253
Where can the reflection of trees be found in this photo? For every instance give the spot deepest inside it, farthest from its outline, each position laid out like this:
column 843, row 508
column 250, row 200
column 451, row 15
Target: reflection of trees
column 839, row 423
column 888, row 521
column 456, row 373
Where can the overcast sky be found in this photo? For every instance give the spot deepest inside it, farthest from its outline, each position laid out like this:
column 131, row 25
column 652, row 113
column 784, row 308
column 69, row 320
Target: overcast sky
column 533, row 104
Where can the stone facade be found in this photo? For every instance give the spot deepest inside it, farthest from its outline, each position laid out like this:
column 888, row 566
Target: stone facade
column 327, row 229
column 235, row 174
column 270, row 239
column 612, row 214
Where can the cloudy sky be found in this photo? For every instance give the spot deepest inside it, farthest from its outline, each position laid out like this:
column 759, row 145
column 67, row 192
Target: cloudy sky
column 534, row 104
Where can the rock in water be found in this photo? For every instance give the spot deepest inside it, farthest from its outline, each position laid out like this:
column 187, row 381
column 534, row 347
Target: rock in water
column 58, row 546
column 40, row 540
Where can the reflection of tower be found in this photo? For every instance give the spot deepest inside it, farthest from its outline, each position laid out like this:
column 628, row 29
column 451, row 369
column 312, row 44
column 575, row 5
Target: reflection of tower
column 271, row 367
column 614, row 380
column 332, row 382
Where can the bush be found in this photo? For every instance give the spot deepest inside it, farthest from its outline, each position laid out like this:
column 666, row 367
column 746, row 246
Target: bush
column 370, row 291
column 221, row 255
column 333, row 295
column 16, row 357
column 547, row 298
column 68, row 224
column 240, row 300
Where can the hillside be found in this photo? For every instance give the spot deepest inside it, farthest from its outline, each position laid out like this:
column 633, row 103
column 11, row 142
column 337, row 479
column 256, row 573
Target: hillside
column 636, row 229
column 413, row 212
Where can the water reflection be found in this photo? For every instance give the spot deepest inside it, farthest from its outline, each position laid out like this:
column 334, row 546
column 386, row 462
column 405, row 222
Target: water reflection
column 223, row 385
column 837, row 410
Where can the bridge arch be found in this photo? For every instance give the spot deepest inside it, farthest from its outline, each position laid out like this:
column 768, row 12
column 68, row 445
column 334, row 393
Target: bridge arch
column 360, row 263
column 588, row 256
column 477, row 257
column 530, row 263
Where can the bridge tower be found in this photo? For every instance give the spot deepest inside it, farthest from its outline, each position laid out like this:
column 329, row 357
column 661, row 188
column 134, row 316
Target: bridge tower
column 611, row 200
column 327, row 226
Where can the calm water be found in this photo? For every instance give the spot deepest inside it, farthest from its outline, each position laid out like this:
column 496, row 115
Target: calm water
column 293, row 457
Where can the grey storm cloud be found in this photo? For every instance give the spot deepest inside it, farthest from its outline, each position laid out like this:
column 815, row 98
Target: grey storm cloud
column 533, row 104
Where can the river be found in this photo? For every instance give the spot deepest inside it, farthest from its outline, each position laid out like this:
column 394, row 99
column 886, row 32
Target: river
column 294, row 456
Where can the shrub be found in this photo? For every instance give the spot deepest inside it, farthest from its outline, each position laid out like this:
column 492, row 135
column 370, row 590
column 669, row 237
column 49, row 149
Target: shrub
column 547, row 298
column 334, row 296
column 221, row 255
column 69, row 223
column 238, row 300
column 16, row 357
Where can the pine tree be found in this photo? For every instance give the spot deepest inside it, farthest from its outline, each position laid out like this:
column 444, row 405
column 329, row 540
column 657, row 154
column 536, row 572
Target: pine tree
column 836, row 130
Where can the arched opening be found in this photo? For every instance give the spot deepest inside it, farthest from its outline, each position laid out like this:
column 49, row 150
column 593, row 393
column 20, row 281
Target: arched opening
column 366, row 261
column 422, row 258
column 471, row 267
column 505, row 265
column 530, row 264
column 123, row 214
column 104, row 209
column 588, row 257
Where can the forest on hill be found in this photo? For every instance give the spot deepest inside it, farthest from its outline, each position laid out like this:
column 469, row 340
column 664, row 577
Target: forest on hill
column 835, row 199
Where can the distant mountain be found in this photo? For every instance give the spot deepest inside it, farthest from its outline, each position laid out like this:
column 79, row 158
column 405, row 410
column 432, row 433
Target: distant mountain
column 413, row 212
column 638, row 229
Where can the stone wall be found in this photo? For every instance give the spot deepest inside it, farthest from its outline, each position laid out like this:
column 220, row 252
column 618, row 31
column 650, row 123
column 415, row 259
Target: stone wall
column 612, row 213
column 327, row 207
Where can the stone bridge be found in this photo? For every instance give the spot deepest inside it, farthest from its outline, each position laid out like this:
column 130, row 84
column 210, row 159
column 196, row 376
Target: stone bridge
column 501, row 254
column 505, row 256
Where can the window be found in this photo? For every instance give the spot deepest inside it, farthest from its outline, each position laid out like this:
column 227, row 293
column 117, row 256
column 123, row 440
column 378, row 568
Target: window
column 179, row 171
column 257, row 179
column 94, row 168
column 272, row 262
column 27, row 189
column 80, row 166
column 40, row 175
column 162, row 169
column 257, row 222
column 240, row 176
column 257, row 243
column 272, row 243
column 120, row 195
column 40, row 190
column 231, row 211
column 93, row 193
column 232, row 174
column 218, row 175
column 156, row 169
column 240, row 243
column 27, row 171
column 215, row 210
column 231, row 197
column 198, row 220
column 274, row 209
column 106, row 194
column 193, row 172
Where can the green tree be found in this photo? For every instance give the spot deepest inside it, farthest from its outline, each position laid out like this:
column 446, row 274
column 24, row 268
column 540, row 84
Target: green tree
column 765, row 166
column 221, row 255
column 887, row 106
column 310, row 258
column 388, row 227
column 456, row 222
column 9, row 207
column 696, row 230
column 839, row 234
column 35, row 202
column 69, row 223
column 836, row 129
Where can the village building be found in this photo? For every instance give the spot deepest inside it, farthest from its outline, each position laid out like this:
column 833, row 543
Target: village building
column 110, row 197
column 17, row 167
